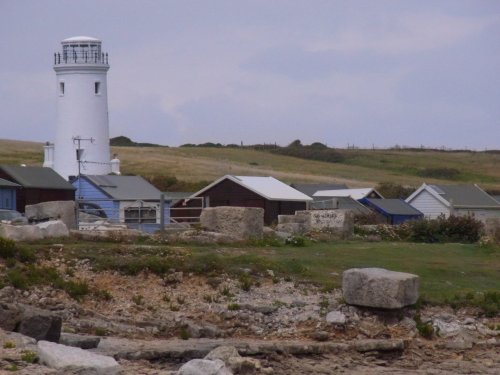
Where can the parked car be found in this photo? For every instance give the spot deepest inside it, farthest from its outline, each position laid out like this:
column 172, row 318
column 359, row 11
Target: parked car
column 13, row 216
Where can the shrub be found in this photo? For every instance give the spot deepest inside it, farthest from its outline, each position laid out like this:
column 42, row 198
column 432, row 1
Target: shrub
column 464, row 229
column 392, row 190
column 426, row 330
column 245, row 282
column 184, row 333
column 75, row 289
column 8, row 248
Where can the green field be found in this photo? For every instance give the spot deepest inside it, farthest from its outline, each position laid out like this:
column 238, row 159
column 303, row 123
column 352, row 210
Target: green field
column 360, row 167
column 445, row 269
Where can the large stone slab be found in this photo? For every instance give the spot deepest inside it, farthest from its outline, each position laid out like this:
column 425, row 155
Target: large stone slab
column 55, row 210
column 380, row 288
column 53, row 229
column 21, row 232
column 242, row 222
column 63, row 357
column 204, row 367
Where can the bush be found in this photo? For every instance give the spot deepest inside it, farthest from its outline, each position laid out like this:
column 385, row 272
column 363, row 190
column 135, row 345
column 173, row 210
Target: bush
column 8, row 248
column 392, row 190
column 463, row 229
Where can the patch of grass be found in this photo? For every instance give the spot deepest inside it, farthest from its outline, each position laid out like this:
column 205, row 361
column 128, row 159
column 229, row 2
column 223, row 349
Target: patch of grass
column 245, row 282
column 138, row 299
column 29, row 357
column 184, row 333
column 75, row 289
column 181, row 300
column 103, row 295
column 425, row 330
column 13, row 367
column 9, row 345
column 100, row 331
column 233, row 307
column 488, row 301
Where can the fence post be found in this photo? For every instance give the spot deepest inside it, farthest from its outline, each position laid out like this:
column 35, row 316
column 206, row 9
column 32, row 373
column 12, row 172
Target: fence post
column 162, row 212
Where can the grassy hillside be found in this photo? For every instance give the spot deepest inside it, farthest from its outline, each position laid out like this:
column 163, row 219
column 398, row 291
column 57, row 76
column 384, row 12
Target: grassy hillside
column 359, row 168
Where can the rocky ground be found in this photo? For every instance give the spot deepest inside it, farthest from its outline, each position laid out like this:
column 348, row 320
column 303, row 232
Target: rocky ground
column 153, row 325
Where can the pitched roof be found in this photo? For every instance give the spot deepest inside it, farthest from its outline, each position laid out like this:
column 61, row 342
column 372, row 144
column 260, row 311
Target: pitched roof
column 267, row 187
column 341, row 203
column 395, row 207
column 125, row 187
column 310, row 189
column 353, row 193
column 496, row 197
column 37, row 177
column 6, row 183
column 459, row 196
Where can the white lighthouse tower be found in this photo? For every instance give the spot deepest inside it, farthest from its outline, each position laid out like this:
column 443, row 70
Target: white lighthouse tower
column 82, row 134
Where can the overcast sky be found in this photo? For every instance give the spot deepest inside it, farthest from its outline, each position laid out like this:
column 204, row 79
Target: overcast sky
column 339, row 72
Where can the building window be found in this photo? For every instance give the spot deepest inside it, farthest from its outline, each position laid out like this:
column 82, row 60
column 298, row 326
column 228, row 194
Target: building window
column 97, row 88
column 140, row 215
column 61, row 88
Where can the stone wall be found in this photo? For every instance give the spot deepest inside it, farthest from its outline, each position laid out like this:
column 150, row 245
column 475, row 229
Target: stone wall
column 242, row 222
column 302, row 222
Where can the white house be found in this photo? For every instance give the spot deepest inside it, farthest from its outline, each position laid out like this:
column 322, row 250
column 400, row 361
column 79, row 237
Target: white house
column 436, row 200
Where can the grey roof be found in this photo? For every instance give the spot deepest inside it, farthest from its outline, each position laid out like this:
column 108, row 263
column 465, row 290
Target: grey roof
column 496, row 197
column 342, row 203
column 125, row 187
column 310, row 189
column 37, row 177
column 395, row 207
column 465, row 195
column 6, row 183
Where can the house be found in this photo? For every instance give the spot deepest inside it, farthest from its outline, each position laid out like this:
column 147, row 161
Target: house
column 274, row 196
column 310, row 189
column 123, row 199
column 356, row 194
column 395, row 211
column 8, row 194
column 436, row 200
column 330, row 203
column 37, row 185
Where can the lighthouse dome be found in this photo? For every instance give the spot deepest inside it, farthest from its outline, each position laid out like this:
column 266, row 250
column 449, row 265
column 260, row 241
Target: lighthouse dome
column 81, row 39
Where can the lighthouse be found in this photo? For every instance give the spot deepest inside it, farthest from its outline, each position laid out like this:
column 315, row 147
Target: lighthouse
column 82, row 128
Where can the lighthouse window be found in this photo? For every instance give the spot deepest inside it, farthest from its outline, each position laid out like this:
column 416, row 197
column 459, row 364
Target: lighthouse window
column 97, row 88
column 61, row 88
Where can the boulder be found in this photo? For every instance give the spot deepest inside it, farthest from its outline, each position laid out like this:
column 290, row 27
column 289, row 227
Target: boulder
column 21, row 232
column 67, row 358
column 242, row 222
column 336, row 317
column 10, row 316
column 204, row 367
column 53, row 228
column 39, row 324
column 224, row 353
column 55, row 210
column 380, row 288
column 79, row 341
